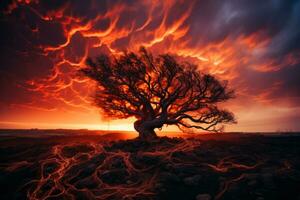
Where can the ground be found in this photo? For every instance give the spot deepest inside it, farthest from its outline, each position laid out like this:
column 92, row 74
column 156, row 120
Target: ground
column 88, row 165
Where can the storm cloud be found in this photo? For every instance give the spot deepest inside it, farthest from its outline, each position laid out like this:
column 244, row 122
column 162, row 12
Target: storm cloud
column 253, row 44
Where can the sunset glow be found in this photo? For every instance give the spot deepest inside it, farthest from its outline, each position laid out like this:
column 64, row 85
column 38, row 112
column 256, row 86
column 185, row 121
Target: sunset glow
column 44, row 44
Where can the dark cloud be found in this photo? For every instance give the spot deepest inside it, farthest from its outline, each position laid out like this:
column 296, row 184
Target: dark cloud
column 213, row 21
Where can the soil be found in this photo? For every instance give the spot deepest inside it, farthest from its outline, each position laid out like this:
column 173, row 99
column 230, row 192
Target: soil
column 91, row 166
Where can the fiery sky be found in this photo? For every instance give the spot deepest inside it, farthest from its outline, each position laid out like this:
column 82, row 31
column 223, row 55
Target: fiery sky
column 253, row 44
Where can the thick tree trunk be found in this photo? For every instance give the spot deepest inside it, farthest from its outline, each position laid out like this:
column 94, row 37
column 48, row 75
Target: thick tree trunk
column 145, row 132
column 147, row 135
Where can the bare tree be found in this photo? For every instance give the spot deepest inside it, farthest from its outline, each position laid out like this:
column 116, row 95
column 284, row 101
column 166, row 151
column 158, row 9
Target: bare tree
column 158, row 91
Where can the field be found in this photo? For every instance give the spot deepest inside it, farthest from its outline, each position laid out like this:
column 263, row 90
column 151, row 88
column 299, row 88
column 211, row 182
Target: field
column 81, row 164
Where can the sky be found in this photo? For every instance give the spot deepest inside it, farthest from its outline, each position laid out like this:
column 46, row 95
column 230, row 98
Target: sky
column 253, row 44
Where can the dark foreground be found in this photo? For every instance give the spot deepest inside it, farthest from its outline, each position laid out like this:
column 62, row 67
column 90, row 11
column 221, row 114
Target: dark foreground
column 240, row 167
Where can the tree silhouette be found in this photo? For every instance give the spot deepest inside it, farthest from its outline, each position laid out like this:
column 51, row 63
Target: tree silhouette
column 158, row 91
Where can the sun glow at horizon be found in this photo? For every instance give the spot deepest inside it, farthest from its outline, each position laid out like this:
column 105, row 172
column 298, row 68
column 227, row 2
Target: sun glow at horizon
column 33, row 125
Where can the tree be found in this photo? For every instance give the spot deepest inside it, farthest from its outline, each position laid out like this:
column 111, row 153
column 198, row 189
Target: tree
column 158, row 91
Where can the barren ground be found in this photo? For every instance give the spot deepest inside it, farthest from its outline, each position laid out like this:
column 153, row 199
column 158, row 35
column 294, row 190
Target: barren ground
column 88, row 165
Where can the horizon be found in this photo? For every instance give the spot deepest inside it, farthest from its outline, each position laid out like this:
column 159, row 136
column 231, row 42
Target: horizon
column 118, row 127
column 158, row 132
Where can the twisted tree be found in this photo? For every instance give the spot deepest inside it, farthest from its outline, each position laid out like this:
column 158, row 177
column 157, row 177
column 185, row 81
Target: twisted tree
column 158, row 91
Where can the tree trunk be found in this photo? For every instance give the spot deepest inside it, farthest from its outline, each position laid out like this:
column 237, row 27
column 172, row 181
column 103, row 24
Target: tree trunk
column 145, row 132
column 147, row 135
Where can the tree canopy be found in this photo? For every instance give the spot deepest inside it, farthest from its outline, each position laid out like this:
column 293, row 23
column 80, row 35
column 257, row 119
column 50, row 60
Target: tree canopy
column 158, row 91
